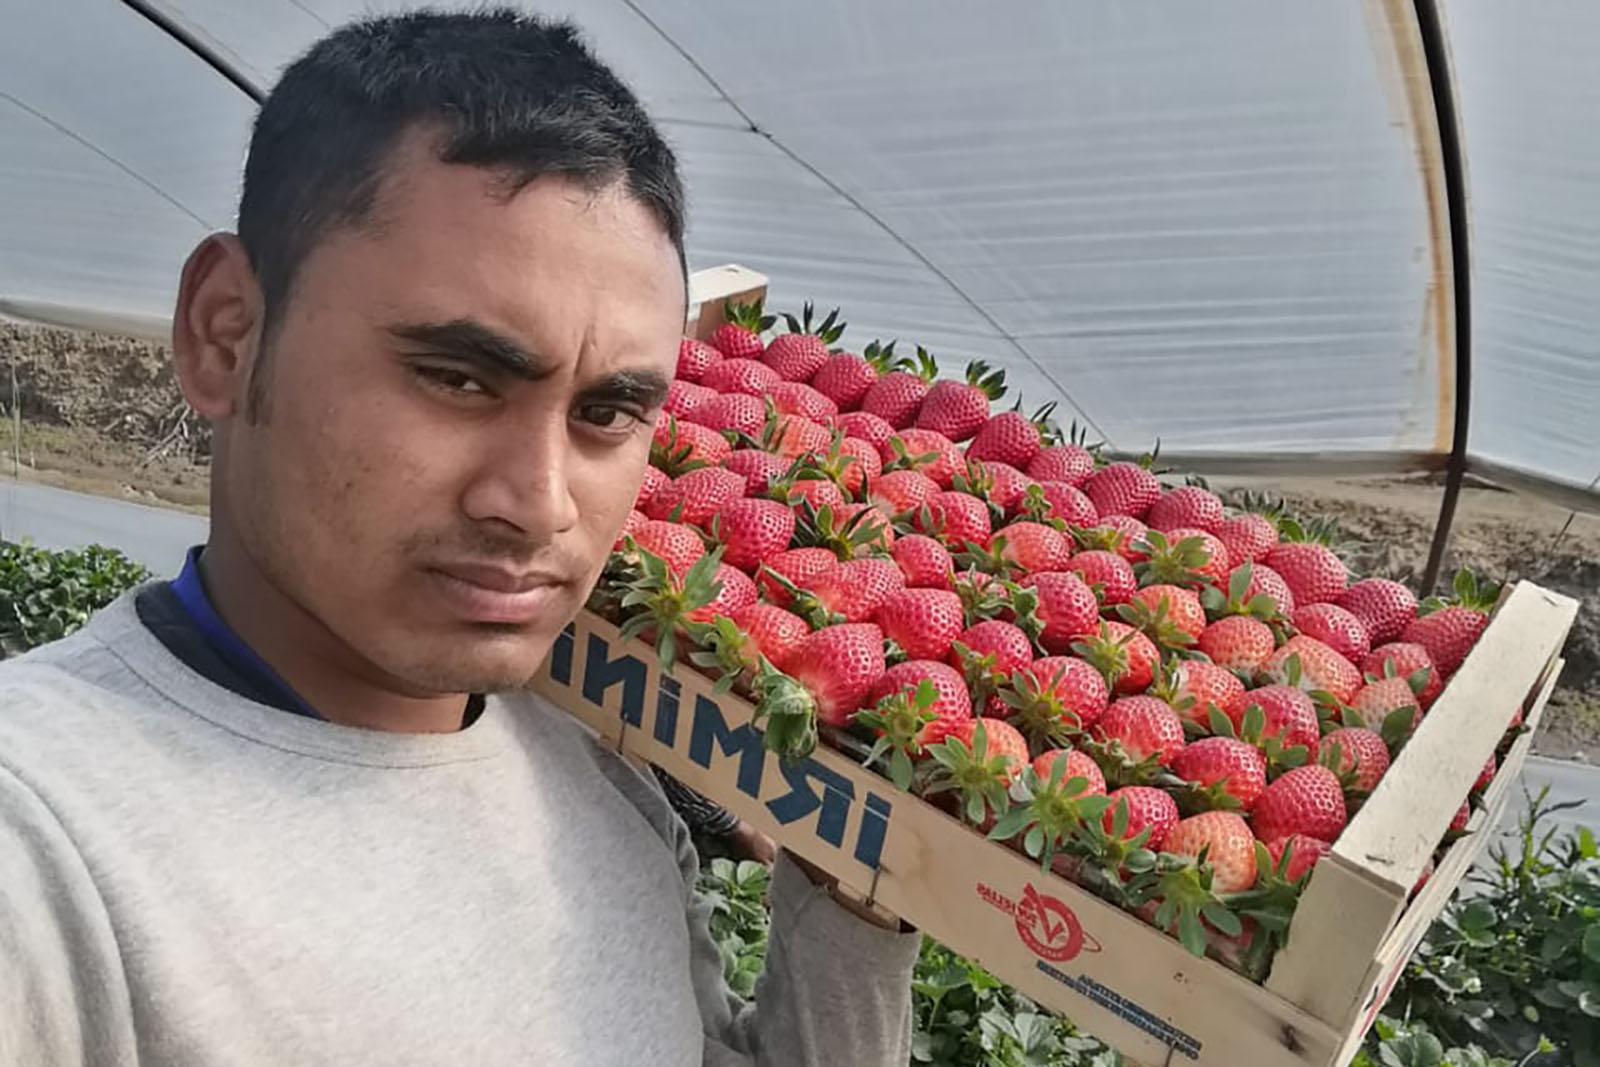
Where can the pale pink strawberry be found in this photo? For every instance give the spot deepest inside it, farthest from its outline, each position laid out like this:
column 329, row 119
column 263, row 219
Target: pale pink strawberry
column 925, row 562
column 1000, row 740
column 654, row 481
column 1248, row 537
column 1126, row 657
column 1321, row 668
column 758, row 469
column 922, row 622
column 902, row 492
column 883, row 527
column 754, row 530
column 735, row 590
column 1208, row 686
column 1216, row 565
column 694, row 497
column 944, row 458
column 799, row 566
column 865, row 425
column 740, row 376
column 1311, row 571
column 1107, row 573
column 960, row 409
column 1075, row 764
column 1236, row 768
column 1124, row 535
column 1146, row 807
column 1384, row 607
column 1289, row 715
column 694, row 357
column 770, row 631
column 1032, row 546
column 1353, row 750
column 1376, row 700
column 1186, row 507
column 733, row 411
column 1229, row 847
column 1069, row 504
column 1181, row 607
column 839, row 665
column 1306, row 800
column 1238, row 642
column 1448, row 634
column 797, row 398
column 1304, row 852
column 1401, row 660
column 1067, row 609
column 1264, row 581
column 1144, row 726
column 1123, row 489
column 1335, row 627
column 684, row 398
column 1067, row 464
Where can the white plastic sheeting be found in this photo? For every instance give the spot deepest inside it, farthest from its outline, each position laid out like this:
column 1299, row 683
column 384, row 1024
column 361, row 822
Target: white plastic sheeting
column 1218, row 223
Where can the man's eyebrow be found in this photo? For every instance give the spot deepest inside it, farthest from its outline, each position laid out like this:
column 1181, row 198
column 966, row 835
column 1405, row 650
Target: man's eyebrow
column 476, row 343
column 646, row 388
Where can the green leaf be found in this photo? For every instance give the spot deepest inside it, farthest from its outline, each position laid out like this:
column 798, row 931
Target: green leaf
column 1591, row 943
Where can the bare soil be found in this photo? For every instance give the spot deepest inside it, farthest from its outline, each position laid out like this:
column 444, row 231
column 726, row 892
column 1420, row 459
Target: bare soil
column 103, row 414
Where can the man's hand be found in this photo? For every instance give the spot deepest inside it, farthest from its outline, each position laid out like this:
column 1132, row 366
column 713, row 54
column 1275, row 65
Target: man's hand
column 751, row 844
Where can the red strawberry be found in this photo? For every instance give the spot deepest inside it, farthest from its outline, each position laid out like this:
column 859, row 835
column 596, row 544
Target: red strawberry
column 838, row 665
column 1208, row 686
column 956, row 519
column 1068, row 464
column 1144, row 726
column 733, row 411
column 1180, row 606
column 1384, row 607
column 1264, row 581
column 1001, row 742
column 1336, row 628
column 654, row 480
column 1056, row 695
column 1187, row 507
column 914, row 444
column 925, row 562
column 739, row 336
column 1448, row 634
column 897, row 396
column 675, row 543
column 899, row 492
column 684, row 398
column 1011, row 438
column 1107, row 573
column 741, row 376
column 1402, row 660
column 1122, row 534
column 799, row 566
column 1032, row 546
column 772, row 632
column 866, row 426
column 735, row 590
column 1354, row 750
column 636, row 519
column 922, row 622
column 959, row 409
column 1216, row 565
column 1306, row 800
column 1304, row 852
column 951, row 706
column 1486, row 775
column 693, row 498
column 1067, row 609
column 1289, row 713
column 846, row 377
column 856, row 588
column 1248, row 537
column 758, row 469
column 1126, row 657
column 1375, row 701
column 987, row 653
column 791, row 435
column 1068, row 504
column 797, row 398
column 800, row 353
column 754, row 530
column 818, row 492
column 1311, row 571
column 1238, row 769
column 1463, row 816
column 879, row 526
column 683, row 444
column 1000, row 483
column 1123, row 489
column 1076, row 765
column 1320, row 668
column 1238, row 642
column 1145, row 806
column 1225, row 838
column 694, row 357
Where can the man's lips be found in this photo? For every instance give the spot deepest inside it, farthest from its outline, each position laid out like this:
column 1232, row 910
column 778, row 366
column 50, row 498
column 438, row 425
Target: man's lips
column 486, row 593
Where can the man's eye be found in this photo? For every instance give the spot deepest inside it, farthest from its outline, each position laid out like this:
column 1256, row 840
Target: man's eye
column 608, row 417
column 453, row 380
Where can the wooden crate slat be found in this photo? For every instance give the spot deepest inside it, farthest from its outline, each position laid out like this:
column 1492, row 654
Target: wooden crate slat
column 711, row 288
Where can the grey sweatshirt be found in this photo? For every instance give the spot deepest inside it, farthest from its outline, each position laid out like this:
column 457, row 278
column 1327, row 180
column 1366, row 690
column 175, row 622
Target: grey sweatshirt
column 190, row 878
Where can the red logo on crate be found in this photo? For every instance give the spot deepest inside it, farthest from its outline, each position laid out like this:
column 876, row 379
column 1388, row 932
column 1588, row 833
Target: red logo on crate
column 1045, row 924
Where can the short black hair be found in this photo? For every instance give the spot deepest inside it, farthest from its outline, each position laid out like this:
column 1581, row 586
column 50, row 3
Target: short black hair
column 507, row 90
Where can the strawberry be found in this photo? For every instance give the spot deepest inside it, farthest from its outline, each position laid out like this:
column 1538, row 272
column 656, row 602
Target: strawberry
column 1238, row 642
column 675, row 543
column 694, row 357
column 1237, row 770
column 1248, row 537
column 693, row 498
column 771, row 632
column 1108, row 574
column 758, row 469
column 636, row 519
column 1030, row 547
column 660, row 598
column 1486, row 775
column 838, row 665
column 1066, row 609
column 877, row 529
column 1377, row 700
column 1290, row 715
column 977, row 761
column 1145, row 727
column 1320, row 668
column 987, row 654
column 684, row 398
column 1122, row 534
column 1448, row 634
column 1462, row 817
column 1012, row 437
column 1311, row 571
column 735, row 590
column 950, row 706
column 1306, row 800
column 1356, row 752
column 927, row 451
column 1264, row 581
column 747, row 376
column 680, row 446
column 1125, row 657
column 899, row 492
column 754, row 530
column 853, row 590
column 819, row 493
column 959, row 409
column 1304, row 852
column 846, row 377
column 652, row 484
column 922, row 622
column 957, row 519
column 897, row 396
column 1214, row 570
column 1141, row 808
column 1206, row 686
column 1054, row 698
column 1069, row 464
column 733, row 411
column 1058, row 500
column 1186, row 507
column 925, row 562
column 798, row 566
column 791, row 435
column 1001, row 484
column 1229, row 848
column 1076, row 764
column 739, row 337
column 1003, row 743
column 1404, row 660
column 1384, row 607
column 798, row 398
column 800, row 353
column 1123, row 489
column 866, row 426
column 1336, row 628
column 1172, row 604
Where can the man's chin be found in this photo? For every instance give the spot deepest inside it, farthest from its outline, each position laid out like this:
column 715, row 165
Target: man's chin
column 487, row 664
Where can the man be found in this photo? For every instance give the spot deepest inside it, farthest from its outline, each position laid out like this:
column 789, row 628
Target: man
column 292, row 808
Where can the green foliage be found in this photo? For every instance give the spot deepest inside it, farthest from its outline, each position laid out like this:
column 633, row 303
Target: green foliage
column 737, row 893
column 1393, row 1043
column 46, row 595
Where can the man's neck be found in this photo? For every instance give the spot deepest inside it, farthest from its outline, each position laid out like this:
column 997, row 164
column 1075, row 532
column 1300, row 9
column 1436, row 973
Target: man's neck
column 320, row 667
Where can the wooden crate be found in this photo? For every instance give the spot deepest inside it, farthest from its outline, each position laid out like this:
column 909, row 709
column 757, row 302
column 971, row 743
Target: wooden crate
column 1111, row 973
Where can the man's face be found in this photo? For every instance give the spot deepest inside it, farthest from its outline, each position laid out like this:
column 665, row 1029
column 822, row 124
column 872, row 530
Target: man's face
column 458, row 410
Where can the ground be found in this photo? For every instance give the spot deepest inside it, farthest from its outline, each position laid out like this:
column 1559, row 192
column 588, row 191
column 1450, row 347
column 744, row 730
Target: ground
column 103, row 414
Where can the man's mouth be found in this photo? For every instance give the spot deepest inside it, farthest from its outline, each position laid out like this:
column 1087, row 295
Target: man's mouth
column 487, row 593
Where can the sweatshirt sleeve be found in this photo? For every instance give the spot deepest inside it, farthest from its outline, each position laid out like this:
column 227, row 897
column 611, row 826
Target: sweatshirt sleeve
column 63, row 997
column 835, row 990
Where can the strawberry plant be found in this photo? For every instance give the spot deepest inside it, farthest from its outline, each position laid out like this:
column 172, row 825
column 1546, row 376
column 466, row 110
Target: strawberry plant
column 46, row 595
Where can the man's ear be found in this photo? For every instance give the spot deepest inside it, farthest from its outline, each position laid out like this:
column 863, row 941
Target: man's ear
column 216, row 329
